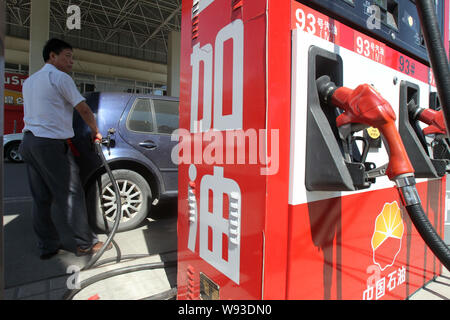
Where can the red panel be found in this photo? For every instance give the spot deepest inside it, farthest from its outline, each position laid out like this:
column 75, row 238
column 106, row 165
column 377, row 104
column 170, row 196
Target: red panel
column 247, row 175
column 278, row 120
column 13, row 114
column 13, row 104
column 331, row 256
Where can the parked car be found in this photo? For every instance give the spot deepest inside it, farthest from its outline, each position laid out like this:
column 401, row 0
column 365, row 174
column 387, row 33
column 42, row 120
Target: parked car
column 139, row 156
column 11, row 144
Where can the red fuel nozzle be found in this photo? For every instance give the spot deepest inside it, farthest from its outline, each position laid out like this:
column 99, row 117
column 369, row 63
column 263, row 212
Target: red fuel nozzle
column 365, row 105
column 435, row 119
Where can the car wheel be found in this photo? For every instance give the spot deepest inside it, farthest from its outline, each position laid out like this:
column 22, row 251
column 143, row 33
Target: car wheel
column 135, row 196
column 12, row 152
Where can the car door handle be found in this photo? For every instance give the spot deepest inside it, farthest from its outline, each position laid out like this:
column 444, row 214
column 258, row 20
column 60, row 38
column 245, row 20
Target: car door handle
column 148, row 145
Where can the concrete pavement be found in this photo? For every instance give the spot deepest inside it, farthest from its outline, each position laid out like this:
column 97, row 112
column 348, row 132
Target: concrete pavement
column 29, row 278
column 437, row 289
column 130, row 286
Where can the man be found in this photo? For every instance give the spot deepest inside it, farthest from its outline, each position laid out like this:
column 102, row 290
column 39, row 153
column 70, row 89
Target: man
column 49, row 98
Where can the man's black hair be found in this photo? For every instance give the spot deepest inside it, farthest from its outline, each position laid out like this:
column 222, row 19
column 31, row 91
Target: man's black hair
column 56, row 46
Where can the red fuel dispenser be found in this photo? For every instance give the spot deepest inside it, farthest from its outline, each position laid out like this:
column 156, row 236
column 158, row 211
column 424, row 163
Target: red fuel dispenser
column 278, row 197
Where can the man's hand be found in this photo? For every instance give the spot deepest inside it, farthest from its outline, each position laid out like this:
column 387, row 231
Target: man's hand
column 96, row 136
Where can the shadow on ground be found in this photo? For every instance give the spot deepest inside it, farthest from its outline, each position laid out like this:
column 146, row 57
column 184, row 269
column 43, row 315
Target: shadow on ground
column 22, row 264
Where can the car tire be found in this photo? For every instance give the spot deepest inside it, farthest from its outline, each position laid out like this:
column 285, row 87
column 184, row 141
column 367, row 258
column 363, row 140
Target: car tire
column 12, row 152
column 136, row 200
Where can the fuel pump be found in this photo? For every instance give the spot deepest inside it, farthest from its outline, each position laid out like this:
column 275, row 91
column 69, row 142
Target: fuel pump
column 316, row 215
column 436, row 130
column 435, row 119
column 365, row 105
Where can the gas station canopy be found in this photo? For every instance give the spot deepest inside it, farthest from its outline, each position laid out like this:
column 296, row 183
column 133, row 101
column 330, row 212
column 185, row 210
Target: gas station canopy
column 136, row 29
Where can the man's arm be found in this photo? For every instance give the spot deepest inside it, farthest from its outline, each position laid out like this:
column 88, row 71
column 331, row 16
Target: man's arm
column 87, row 115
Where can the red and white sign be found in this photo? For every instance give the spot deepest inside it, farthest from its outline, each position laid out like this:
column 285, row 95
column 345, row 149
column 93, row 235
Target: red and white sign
column 13, row 88
column 222, row 118
column 13, row 102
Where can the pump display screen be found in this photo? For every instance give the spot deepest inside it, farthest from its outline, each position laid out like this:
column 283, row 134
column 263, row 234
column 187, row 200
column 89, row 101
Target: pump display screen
column 387, row 12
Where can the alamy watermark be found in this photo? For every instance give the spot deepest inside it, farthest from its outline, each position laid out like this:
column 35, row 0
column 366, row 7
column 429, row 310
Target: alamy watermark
column 73, row 21
column 73, row 281
column 231, row 147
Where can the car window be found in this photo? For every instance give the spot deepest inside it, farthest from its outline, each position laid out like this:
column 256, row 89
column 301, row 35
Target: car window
column 166, row 113
column 140, row 118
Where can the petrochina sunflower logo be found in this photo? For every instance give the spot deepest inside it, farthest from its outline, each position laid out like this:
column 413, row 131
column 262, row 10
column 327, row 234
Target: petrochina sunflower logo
column 387, row 237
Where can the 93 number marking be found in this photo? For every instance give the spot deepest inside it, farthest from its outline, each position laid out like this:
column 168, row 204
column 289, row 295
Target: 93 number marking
column 370, row 49
column 406, row 66
column 305, row 20
column 363, row 46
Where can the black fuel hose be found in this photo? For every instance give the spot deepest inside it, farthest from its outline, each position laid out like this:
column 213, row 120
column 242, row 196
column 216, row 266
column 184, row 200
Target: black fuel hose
column 429, row 234
column 440, row 66
column 97, row 256
column 436, row 52
column 170, row 294
column 406, row 185
column 131, row 257
column 113, row 273
column 68, row 295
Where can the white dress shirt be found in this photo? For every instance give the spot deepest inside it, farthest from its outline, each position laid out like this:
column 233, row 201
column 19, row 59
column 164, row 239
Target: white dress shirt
column 49, row 98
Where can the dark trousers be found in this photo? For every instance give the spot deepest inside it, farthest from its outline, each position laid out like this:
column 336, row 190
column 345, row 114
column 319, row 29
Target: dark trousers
column 54, row 178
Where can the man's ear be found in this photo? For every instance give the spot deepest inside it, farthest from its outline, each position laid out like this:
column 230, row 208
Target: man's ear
column 52, row 56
